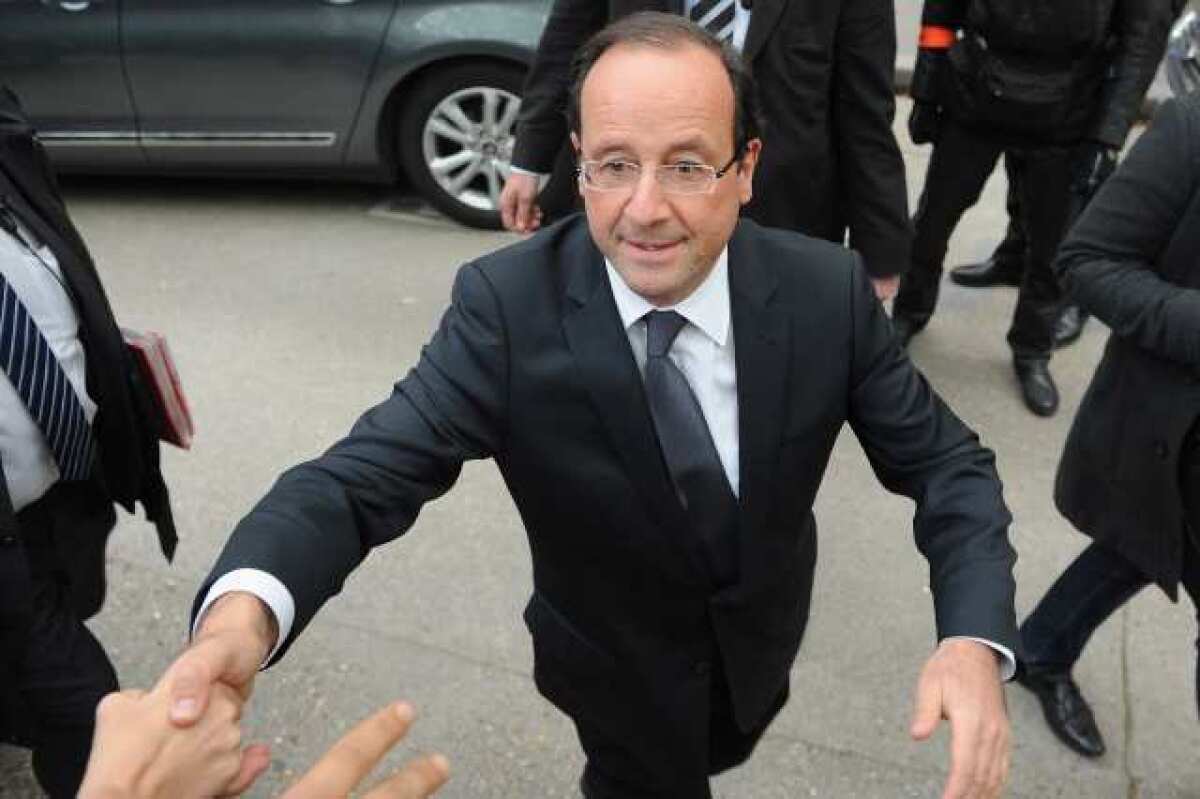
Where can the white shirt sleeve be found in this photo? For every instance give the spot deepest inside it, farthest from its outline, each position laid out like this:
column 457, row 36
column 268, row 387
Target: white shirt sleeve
column 1009, row 668
column 266, row 587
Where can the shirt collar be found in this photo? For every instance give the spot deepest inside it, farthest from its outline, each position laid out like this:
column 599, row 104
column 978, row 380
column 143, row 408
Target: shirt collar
column 707, row 307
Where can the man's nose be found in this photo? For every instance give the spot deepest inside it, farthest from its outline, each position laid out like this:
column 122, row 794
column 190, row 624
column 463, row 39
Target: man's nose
column 648, row 203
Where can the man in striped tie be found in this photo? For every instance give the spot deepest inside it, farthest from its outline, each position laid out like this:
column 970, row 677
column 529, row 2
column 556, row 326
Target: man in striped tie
column 824, row 68
column 73, row 440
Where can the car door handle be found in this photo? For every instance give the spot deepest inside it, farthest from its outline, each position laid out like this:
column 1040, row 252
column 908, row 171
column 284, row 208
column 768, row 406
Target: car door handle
column 338, row 2
column 75, row 6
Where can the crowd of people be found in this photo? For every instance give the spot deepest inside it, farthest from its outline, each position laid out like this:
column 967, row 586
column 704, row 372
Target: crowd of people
column 739, row 182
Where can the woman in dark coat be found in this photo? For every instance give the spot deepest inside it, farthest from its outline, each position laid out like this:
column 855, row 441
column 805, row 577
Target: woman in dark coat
column 1130, row 473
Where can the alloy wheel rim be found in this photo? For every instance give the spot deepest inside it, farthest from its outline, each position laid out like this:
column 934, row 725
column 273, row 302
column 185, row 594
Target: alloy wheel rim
column 467, row 143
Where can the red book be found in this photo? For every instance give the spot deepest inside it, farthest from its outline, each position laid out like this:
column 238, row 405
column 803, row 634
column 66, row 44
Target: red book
column 153, row 358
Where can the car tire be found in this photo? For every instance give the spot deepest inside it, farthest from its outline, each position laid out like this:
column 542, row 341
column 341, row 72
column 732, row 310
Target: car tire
column 456, row 136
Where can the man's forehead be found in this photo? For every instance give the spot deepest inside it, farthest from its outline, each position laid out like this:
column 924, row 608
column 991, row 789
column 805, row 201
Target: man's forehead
column 681, row 91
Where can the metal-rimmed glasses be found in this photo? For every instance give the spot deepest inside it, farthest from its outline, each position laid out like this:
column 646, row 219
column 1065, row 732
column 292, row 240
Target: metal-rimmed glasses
column 618, row 174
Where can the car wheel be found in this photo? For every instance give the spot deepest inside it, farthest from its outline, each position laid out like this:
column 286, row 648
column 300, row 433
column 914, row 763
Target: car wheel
column 456, row 139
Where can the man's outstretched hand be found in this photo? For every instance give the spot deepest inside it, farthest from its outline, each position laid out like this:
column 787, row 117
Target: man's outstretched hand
column 351, row 759
column 961, row 683
column 235, row 637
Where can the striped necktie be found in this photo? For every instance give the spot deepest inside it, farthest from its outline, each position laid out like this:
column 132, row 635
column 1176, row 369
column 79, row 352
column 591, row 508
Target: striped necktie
column 40, row 381
column 715, row 16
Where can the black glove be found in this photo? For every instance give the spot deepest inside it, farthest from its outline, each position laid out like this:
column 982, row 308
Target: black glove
column 924, row 123
column 1091, row 164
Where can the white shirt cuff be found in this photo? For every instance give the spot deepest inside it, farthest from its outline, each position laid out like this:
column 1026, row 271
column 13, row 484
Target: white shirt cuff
column 266, row 587
column 522, row 171
column 1009, row 667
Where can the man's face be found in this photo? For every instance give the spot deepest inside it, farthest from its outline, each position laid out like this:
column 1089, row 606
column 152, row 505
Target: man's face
column 651, row 107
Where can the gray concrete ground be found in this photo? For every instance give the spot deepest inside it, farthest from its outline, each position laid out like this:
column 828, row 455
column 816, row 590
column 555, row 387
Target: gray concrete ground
column 292, row 307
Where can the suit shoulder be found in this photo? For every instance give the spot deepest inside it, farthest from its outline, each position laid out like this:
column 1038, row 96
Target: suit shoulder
column 533, row 266
column 801, row 260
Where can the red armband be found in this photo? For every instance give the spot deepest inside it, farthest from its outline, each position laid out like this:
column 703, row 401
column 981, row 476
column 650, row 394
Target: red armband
column 934, row 37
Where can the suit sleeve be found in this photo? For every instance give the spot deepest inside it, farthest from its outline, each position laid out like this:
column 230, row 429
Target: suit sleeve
column 1141, row 28
column 1108, row 261
column 542, row 125
column 870, row 165
column 919, row 448
column 322, row 517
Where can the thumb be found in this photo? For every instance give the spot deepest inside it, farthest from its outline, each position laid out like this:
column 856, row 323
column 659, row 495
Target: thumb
column 928, row 711
column 188, row 681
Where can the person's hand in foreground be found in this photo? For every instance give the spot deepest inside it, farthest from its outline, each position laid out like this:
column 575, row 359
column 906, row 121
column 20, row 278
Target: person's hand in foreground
column 961, row 683
column 519, row 211
column 235, row 637
column 138, row 754
column 351, row 759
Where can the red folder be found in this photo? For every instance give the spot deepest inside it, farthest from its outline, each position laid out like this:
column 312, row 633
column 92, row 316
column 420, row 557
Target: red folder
column 153, row 357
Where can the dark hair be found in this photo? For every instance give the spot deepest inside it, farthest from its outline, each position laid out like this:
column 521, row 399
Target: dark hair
column 668, row 32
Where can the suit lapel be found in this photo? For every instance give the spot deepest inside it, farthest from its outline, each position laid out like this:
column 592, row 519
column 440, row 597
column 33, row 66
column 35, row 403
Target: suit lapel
column 761, row 352
column 763, row 19
column 608, row 371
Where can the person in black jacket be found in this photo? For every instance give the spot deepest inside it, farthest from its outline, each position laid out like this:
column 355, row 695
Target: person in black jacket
column 1130, row 472
column 74, row 439
column 1057, row 83
column 825, row 72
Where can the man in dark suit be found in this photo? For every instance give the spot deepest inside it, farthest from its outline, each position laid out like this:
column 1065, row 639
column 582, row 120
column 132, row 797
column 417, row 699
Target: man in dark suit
column 665, row 478
column 74, row 439
column 1130, row 473
column 825, row 74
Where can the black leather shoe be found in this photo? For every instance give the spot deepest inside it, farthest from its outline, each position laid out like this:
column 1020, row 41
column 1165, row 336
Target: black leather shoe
column 1069, row 325
column 904, row 328
column 1067, row 712
column 991, row 272
column 1037, row 386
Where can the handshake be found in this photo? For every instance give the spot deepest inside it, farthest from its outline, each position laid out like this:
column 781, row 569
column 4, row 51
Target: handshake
column 183, row 739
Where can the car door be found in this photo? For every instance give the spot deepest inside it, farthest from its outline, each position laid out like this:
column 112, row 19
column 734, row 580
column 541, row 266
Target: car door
column 244, row 84
column 63, row 59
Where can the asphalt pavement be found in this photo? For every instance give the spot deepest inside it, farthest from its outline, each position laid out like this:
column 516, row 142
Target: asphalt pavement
column 291, row 307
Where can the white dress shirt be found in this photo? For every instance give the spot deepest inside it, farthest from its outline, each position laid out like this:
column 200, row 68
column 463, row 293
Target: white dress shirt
column 29, row 465
column 703, row 351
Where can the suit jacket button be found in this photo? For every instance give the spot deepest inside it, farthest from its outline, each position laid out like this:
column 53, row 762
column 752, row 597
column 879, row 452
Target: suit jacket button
column 8, row 540
column 702, row 669
column 1160, row 449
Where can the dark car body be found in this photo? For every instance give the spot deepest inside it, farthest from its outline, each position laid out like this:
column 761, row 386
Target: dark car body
column 277, row 87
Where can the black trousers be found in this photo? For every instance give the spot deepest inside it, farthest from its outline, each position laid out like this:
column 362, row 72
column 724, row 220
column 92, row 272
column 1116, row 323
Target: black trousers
column 1100, row 581
column 961, row 163
column 58, row 668
column 1011, row 251
column 616, row 770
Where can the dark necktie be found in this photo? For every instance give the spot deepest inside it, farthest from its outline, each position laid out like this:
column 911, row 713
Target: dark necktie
column 716, row 16
column 40, row 381
column 688, row 449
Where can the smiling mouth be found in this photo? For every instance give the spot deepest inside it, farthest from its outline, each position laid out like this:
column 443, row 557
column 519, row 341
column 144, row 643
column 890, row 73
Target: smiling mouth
column 652, row 246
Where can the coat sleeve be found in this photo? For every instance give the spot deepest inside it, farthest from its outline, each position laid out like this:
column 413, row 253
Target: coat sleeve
column 542, row 125
column 320, row 519
column 1141, row 28
column 870, row 166
column 920, row 449
column 1109, row 260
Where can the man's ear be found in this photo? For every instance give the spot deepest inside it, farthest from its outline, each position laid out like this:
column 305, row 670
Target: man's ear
column 745, row 170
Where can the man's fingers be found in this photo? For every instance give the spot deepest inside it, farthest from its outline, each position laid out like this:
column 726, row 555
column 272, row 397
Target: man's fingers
column 355, row 754
column 508, row 206
column 255, row 760
column 963, row 780
column 417, row 780
column 928, row 711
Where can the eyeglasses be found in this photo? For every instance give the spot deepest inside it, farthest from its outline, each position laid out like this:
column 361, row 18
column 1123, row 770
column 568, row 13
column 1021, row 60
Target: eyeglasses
column 683, row 178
